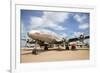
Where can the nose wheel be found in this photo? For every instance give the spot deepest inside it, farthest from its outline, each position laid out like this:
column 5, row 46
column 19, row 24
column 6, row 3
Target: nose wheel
column 35, row 51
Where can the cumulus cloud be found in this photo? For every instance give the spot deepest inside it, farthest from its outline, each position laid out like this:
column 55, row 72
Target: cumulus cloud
column 56, row 17
column 36, row 20
column 81, row 20
column 51, row 20
column 84, row 26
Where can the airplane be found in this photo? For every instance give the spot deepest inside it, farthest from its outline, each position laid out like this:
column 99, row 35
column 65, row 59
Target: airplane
column 45, row 38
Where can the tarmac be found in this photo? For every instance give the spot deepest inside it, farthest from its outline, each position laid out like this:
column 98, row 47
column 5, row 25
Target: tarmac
column 53, row 54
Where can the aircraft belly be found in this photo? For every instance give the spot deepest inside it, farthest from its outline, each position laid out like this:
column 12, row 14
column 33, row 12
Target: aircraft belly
column 47, row 38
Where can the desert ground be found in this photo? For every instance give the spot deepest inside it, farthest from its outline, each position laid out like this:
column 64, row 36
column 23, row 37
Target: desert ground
column 53, row 54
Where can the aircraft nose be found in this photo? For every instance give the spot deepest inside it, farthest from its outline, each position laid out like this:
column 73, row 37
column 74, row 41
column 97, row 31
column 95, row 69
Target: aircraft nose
column 30, row 33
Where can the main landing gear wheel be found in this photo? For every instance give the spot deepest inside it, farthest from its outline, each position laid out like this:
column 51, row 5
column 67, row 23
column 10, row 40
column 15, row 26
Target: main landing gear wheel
column 67, row 47
column 45, row 48
column 34, row 51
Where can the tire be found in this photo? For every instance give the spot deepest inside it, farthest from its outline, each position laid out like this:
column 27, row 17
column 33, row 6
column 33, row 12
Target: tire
column 34, row 52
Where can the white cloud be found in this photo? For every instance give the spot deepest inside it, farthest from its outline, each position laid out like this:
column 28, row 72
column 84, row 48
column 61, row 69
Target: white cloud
column 79, row 18
column 56, row 17
column 36, row 21
column 83, row 26
column 49, row 20
column 50, row 24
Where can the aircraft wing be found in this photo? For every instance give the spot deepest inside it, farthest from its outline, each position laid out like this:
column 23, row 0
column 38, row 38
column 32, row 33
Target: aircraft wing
column 86, row 37
column 76, row 39
column 73, row 39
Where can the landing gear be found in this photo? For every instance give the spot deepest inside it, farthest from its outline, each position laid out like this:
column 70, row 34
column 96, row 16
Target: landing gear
column 81, row 46
column 34, row 51
column 67, row 47
column 45, row 46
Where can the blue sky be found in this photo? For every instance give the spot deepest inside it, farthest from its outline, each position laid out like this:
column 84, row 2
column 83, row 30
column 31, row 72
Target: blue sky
column 66, row 24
